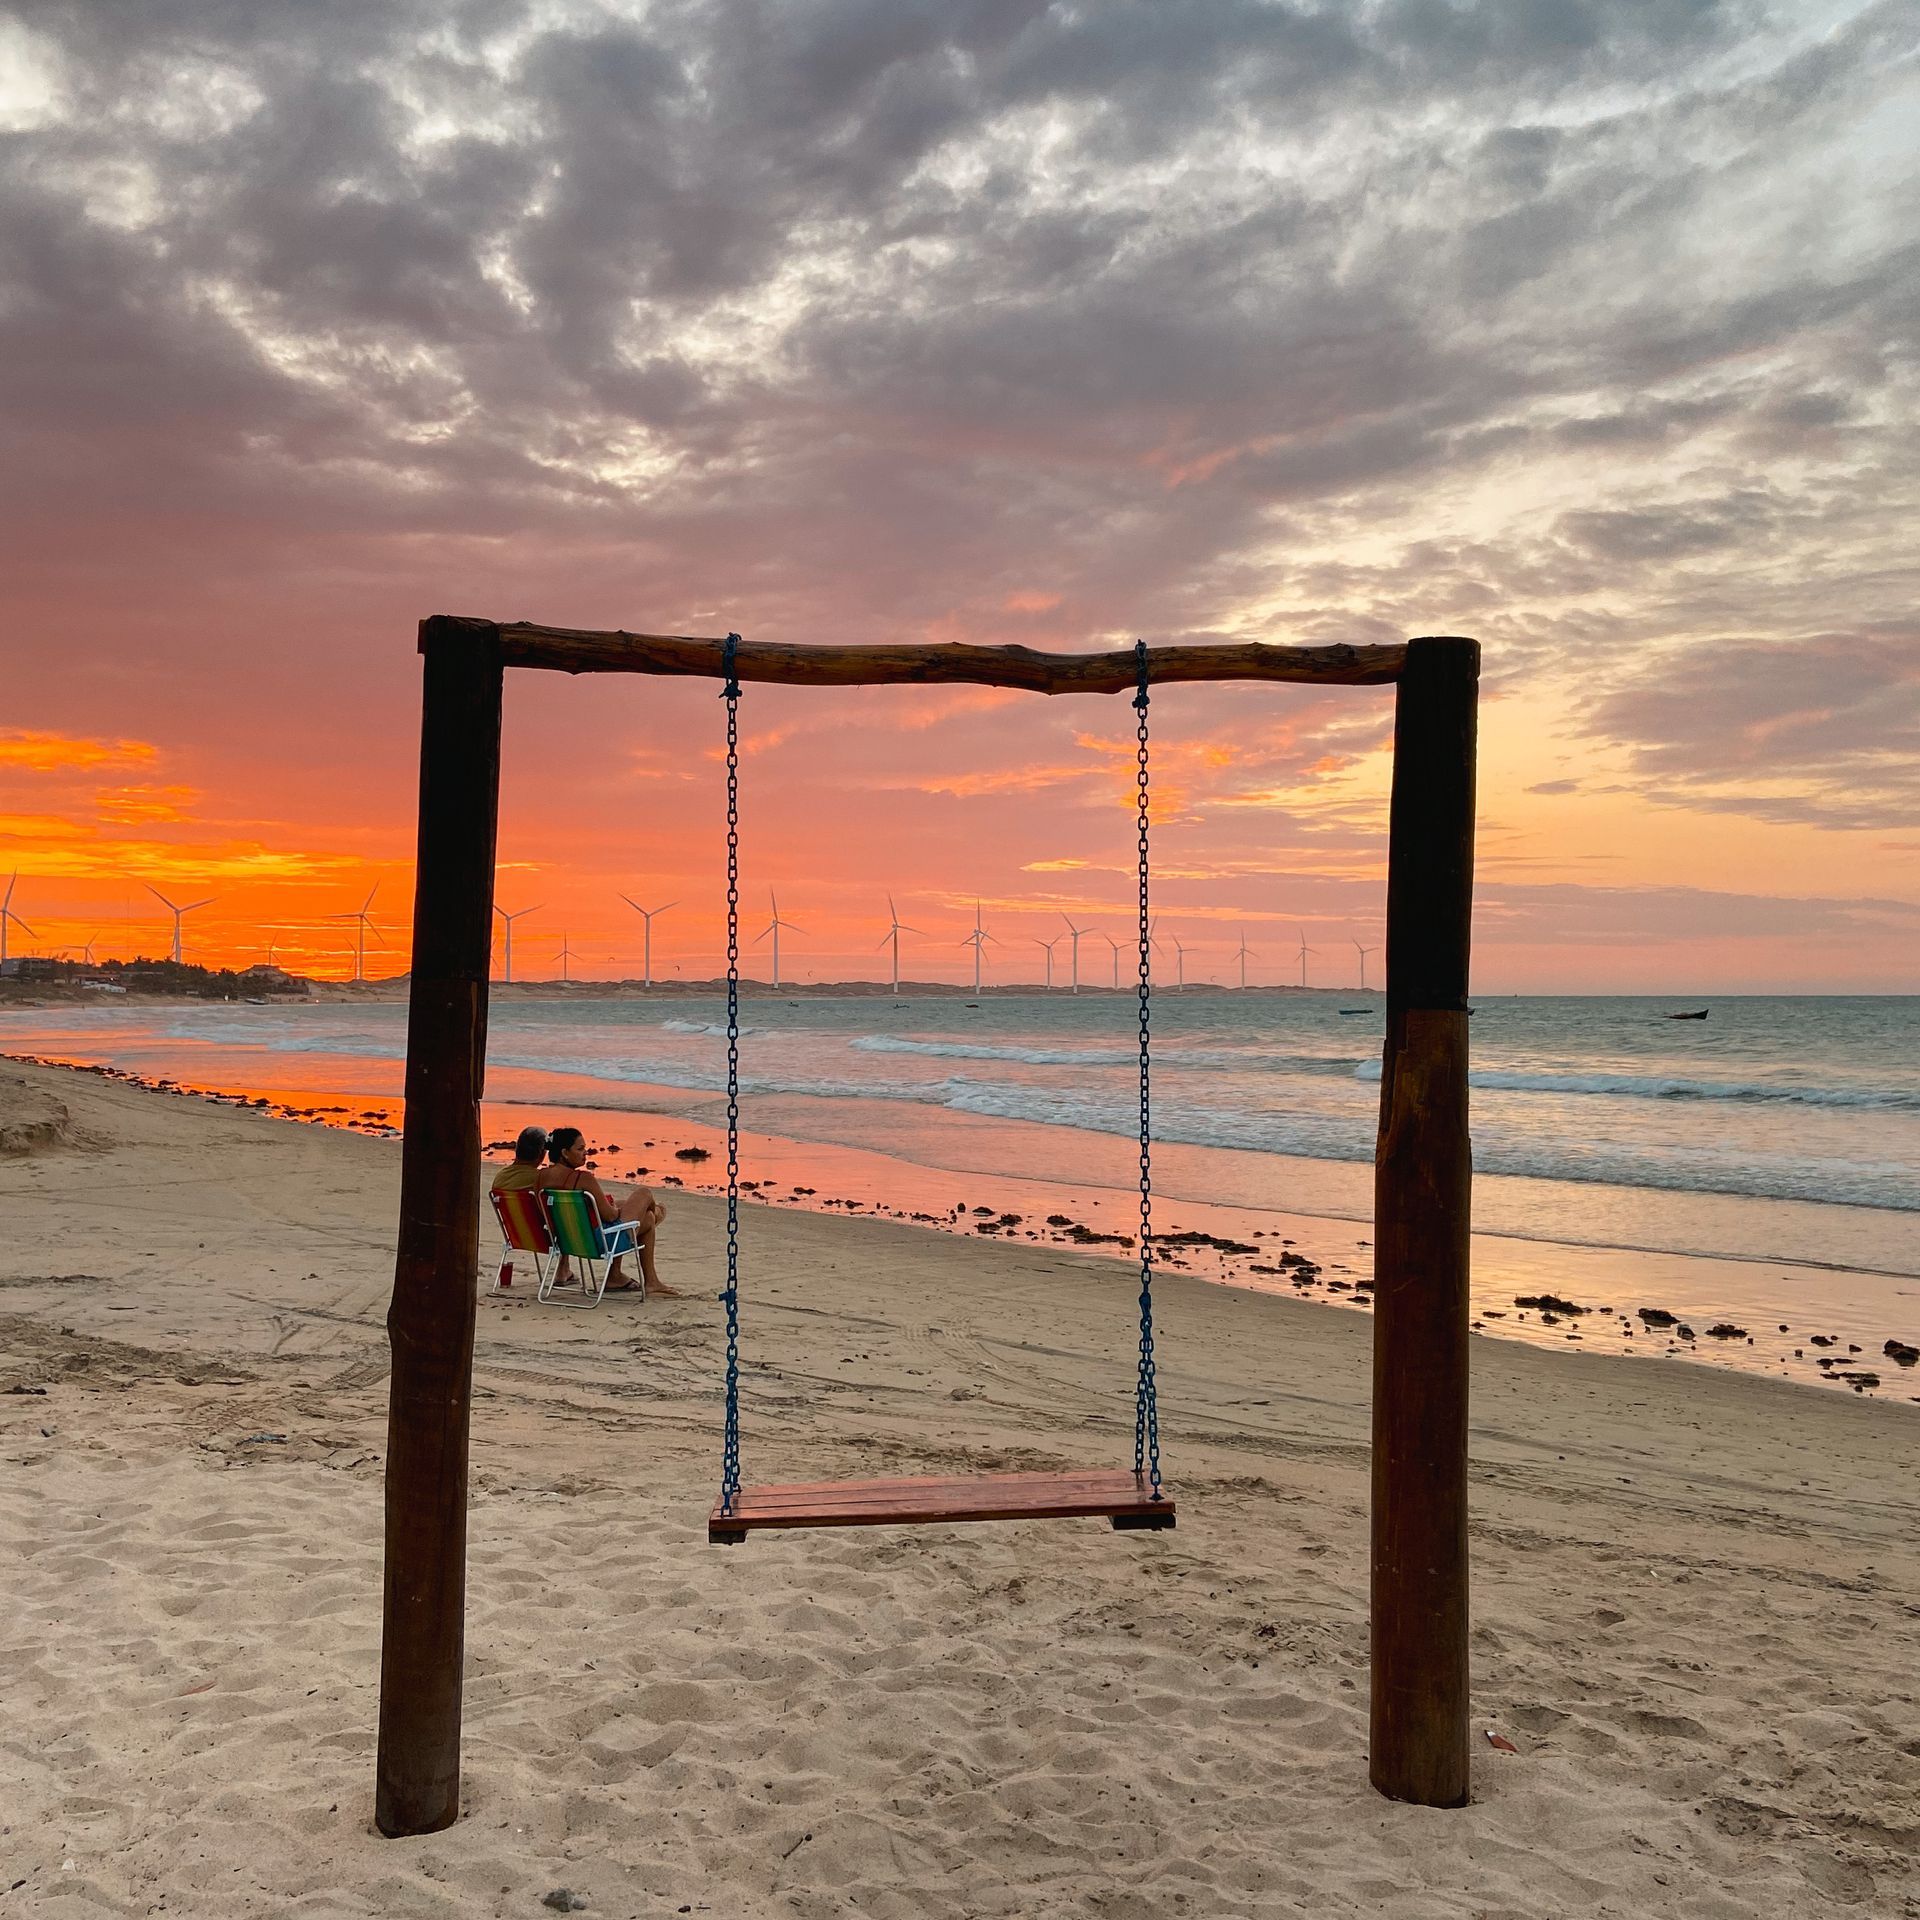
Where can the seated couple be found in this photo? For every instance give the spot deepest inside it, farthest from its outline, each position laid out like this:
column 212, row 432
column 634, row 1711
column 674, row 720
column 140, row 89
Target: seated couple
column 565, row 1153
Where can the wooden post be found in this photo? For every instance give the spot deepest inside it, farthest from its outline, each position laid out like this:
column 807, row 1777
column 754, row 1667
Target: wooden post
column 1423, row 1178
column 430, row 1324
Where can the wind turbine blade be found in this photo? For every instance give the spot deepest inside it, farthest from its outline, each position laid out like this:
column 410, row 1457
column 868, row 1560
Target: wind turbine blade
column 882, row 941
column 375, row 931
column 193, row 906
column 21, row 924
column 668, row 908
column 371, row 891
column 158, row 895
column 633, row 903
column 906, row 929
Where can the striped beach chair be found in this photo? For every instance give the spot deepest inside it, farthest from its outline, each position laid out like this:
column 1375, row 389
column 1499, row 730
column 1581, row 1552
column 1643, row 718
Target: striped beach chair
column 575, row 1223
column 524, row 1228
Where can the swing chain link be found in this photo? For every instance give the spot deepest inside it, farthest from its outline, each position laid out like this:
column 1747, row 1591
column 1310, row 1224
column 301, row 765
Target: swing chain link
column 730, row 1299
column 1146, row 1408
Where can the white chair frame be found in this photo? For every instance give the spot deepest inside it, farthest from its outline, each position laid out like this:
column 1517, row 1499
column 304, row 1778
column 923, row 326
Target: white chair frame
column 616, row 1242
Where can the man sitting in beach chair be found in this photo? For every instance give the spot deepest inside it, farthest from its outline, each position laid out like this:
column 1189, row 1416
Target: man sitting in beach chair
column 566, row 1172
column 518, row 1208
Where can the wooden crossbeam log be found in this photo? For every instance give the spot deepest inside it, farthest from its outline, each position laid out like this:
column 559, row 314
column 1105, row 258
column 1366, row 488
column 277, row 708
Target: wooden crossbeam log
column 577, row 650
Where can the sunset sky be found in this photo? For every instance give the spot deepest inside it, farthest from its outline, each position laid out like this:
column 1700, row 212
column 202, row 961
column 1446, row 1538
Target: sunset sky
column 1587, row 328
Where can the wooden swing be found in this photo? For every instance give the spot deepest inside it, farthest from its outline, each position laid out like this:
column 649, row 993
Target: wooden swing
column 1132, row 1501
column 1418, row 1747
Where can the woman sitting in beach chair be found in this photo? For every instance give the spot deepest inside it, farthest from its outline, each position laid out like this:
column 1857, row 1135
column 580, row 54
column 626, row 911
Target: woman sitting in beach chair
column 566, row 1172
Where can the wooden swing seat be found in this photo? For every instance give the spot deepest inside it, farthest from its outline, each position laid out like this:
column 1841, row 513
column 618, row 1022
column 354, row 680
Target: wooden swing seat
column 1115, row 1494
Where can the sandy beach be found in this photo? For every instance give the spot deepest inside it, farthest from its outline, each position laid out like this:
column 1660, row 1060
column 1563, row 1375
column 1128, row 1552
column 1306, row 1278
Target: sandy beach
column 1695, row 1599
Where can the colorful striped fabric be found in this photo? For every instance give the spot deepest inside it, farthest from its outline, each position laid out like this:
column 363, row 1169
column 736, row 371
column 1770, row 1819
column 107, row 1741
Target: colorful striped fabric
column 576, row 1223
column 523, row 1221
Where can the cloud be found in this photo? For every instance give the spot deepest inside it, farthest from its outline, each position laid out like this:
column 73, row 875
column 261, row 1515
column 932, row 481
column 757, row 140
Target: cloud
column 1629, row 917
column 40, row 752
column 1823, row 732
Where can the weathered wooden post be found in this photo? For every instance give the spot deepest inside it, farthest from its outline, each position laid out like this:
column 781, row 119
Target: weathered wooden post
column 1423, row 1179
column 430, row 1324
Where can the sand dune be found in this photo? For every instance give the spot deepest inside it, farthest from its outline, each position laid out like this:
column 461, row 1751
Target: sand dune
column 1695, row 1602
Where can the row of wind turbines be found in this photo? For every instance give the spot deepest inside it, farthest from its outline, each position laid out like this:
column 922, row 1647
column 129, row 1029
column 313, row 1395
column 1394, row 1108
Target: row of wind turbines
column 362, row 916
column 978, row 939
column 9, row 919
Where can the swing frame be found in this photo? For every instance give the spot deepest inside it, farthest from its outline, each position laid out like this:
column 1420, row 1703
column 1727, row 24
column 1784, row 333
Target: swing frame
column 1419, row 1745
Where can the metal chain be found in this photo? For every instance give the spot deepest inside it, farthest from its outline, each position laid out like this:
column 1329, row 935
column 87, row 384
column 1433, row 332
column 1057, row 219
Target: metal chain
column 1146, row 1406
column 730, row 1446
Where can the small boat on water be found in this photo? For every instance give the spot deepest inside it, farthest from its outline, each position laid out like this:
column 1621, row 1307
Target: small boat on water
column 1347, row 1013
column 1701, row 1015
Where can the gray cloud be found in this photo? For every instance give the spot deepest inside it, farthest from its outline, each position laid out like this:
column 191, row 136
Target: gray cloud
column 1825, row 731
column 865, row 315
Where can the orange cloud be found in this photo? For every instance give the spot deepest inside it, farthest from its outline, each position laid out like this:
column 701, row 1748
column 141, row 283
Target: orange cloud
column 134, row 806
column 1002, row 780
column 40, row 752
column 64, row 849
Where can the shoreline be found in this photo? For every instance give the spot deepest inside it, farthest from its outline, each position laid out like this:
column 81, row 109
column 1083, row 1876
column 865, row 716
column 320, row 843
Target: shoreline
column 1545, row 1294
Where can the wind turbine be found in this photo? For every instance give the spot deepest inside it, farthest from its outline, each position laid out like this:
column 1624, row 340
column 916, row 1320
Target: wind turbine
column 1115, row 945
column 1076, row 932
column 566, row 961
column 1245, row 954
column 364, row 924
column 893, row 933
column 773, row 927
column 192, row 906
column 1179, row 947
column 646, row 914
column 8, row 918
column 1049, row 945
column 1304, row 951
column 519, row 913
column 977, row 940
column 1363, row 952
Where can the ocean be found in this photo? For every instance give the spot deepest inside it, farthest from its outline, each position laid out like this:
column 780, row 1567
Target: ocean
column 1775, row 1133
